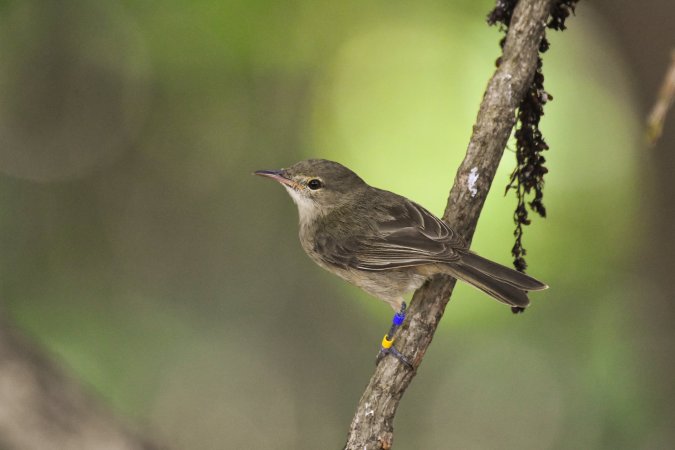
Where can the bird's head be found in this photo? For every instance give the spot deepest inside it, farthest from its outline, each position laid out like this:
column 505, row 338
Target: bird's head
column 317, row 185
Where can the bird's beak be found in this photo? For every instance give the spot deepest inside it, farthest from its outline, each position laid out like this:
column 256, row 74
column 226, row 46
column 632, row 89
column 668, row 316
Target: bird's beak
column 278, row 175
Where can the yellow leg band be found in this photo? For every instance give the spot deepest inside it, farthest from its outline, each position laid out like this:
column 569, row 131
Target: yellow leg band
column 386, row 342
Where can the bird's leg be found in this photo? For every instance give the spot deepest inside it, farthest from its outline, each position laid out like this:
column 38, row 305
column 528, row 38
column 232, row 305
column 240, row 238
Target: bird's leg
column 387, row 347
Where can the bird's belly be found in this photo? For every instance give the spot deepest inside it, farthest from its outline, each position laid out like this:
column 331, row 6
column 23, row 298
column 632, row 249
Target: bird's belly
column 387, row 285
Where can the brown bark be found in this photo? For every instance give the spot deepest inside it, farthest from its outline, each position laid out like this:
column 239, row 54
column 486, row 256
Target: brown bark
column 372, row 425
column 41, row 408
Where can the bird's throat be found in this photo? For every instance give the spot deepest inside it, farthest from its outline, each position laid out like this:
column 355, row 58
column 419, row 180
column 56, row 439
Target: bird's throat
column 308, row 210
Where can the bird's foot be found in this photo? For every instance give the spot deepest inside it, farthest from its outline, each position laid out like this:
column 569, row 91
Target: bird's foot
column 391, row 350
column 387, row 347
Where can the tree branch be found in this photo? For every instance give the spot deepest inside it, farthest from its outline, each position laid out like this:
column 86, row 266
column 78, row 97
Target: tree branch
column 372, row 425
column 40, row 408
column 664, row 101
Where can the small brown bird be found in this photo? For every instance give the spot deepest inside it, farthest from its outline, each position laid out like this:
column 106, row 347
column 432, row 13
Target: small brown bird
column 384, row 243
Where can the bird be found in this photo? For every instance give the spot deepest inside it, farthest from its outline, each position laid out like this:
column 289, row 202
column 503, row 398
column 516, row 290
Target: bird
column 384, row 243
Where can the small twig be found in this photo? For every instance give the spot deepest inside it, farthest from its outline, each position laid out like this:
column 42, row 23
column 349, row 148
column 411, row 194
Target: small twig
column 663, row 103
column 372, row 425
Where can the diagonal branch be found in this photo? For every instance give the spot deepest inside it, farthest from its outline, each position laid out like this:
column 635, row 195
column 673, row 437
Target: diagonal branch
column 372, row 425
column 664, row 101
column 40, row 407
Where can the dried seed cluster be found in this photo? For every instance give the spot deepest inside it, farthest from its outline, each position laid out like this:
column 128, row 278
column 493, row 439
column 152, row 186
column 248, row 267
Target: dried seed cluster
column 528, row 176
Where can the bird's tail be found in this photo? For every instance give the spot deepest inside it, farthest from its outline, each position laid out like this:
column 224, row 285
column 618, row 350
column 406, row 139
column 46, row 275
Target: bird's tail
column 500, row 282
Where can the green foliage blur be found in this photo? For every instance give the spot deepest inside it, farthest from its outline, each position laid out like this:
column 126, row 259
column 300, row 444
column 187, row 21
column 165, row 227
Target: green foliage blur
column 138, row 249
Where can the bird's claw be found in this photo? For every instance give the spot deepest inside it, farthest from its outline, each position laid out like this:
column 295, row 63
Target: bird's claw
column 396, row 354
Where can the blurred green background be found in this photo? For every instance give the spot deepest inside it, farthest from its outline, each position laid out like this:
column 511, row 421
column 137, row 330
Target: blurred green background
column 137, row 248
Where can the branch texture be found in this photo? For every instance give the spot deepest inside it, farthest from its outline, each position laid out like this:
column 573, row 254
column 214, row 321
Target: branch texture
column 372, row 425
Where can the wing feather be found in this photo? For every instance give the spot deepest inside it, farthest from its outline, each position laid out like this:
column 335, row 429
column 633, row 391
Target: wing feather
column 410, row 236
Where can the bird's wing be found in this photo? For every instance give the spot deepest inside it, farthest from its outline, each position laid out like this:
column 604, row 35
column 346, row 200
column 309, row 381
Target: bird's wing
column 409, row 236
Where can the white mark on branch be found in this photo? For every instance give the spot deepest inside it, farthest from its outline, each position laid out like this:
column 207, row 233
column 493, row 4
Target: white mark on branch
column 471, row 182
column 508, row 88
column 369, row 411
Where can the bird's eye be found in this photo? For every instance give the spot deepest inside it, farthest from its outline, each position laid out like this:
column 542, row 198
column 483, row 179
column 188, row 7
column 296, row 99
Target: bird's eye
column 314, row 184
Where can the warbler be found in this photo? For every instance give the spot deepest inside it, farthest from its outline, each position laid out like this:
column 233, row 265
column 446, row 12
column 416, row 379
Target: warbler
column 384, row 243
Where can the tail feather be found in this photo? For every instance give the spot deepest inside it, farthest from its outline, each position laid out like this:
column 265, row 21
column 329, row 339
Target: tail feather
column 504, row 284
column 496, row 288
column 502, row 273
